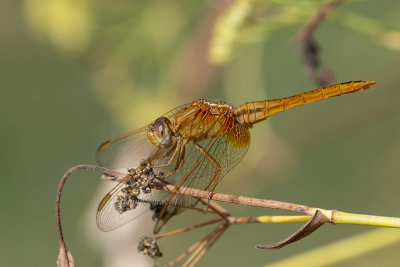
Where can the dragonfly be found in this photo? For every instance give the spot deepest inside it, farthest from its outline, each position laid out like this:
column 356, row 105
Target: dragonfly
column 194, row 146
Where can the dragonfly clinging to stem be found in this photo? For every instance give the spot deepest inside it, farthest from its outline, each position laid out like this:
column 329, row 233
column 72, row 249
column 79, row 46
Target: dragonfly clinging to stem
column 192, row 146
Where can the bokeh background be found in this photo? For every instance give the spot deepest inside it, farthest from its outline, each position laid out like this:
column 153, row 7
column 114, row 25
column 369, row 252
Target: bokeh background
column 74, row 73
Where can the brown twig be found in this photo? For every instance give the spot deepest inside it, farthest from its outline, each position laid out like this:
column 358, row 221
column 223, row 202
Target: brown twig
column 201, row 247
column 192, row 248
column 255, row 202
column 64, row 257
column 189, row 228
column 213, row 234
column 221, row 229
column 184, row 254
column 313, row 68
column 309, row 29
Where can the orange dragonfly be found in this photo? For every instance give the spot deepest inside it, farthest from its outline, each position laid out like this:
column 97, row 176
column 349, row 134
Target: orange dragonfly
column 191, row 146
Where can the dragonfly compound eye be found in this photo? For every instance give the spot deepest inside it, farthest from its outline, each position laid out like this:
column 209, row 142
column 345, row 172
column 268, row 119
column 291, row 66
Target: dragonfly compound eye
column 161, row 132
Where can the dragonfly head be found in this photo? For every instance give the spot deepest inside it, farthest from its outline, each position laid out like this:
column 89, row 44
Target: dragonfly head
column 160, row 132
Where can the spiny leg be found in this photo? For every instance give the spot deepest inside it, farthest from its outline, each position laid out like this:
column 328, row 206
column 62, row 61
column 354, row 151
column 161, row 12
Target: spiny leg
column 180, row 161
column 179, row 152
column 171, row 160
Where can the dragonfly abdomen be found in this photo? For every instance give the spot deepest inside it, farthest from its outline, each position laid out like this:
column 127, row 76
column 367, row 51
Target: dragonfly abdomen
column 253, row 112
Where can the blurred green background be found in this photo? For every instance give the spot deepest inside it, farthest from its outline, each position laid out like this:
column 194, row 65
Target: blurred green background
column 76, row 73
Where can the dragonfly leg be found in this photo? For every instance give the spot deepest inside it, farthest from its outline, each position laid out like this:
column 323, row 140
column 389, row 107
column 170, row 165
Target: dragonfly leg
column 172, row 159
column 167, row 212
column 180, row 160
column 179, row 153
column 217, row 174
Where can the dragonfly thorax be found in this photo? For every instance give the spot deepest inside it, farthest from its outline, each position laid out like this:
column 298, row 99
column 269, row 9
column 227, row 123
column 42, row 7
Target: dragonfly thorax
column 204, row 119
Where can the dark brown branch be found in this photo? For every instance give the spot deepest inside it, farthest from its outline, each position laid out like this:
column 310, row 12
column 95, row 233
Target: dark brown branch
column 309, row 29
column 313, row 68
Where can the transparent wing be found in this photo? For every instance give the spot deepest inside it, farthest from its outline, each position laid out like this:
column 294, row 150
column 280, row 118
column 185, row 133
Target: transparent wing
column 128, row 150
column 199, row 172
column 108, row 217
column 125, row 151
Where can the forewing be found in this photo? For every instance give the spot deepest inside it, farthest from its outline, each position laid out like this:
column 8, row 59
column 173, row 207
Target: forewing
column 125, row 151
column 128, row 150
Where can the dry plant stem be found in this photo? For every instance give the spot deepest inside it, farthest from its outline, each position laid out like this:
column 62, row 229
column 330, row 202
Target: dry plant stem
column 230, row 220
column 184, row 254
column 211, row 242
column 189, row 250
column 205, row 244
column 63, row 247
column 332, row 215
column 255, row 202
column 189, row 228
column 211, row 236
column 316, row 21
column 205, row 195
column 319, row 216
column 197, row 251
column 240, row 220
